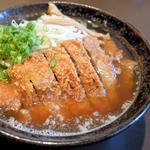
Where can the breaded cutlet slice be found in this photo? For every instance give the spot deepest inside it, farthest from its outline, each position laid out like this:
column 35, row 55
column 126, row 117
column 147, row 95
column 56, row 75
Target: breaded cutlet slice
column 19, row 77
column 66, row 74
column 42, row 77
column 35, row 80
column 101, row 62
column 90, row 80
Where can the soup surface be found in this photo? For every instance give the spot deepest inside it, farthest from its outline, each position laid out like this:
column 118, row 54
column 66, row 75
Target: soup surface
column 74, row 81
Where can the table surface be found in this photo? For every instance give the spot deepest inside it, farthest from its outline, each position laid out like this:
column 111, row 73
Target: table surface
column 135, row 12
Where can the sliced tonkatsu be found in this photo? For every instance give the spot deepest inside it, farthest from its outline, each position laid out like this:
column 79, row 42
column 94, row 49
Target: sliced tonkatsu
column 35, row 80
column 70, row 83
column 101, row 62
column 20, row 79
column 66, row 74
column 91, row 82
column 42, row 77
column 103, row 65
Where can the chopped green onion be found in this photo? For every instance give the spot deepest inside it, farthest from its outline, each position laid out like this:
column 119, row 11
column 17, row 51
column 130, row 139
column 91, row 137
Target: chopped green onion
column 16, row 43
column 55, row 63
column 4, row 74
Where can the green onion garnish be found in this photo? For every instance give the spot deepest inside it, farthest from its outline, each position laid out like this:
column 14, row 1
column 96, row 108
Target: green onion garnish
column 55, row 63
column 15, row 44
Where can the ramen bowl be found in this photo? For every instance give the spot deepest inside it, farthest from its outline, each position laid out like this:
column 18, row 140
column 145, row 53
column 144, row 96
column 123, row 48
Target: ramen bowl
column 129, row 39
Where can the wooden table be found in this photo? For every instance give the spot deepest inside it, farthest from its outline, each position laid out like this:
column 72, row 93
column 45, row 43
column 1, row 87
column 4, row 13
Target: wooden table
column 136, row 12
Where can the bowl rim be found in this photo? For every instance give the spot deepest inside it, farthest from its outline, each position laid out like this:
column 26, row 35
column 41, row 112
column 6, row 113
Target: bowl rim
column 130, row 122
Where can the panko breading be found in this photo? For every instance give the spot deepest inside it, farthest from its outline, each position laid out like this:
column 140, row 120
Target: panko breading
column 66, row 74
column 20, row 79
column 35, row 80
column 42, row 78
column 101, row 61
column 91, row 82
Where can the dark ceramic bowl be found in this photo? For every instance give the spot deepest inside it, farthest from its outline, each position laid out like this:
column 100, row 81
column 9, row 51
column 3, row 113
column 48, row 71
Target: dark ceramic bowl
column 126, row 35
